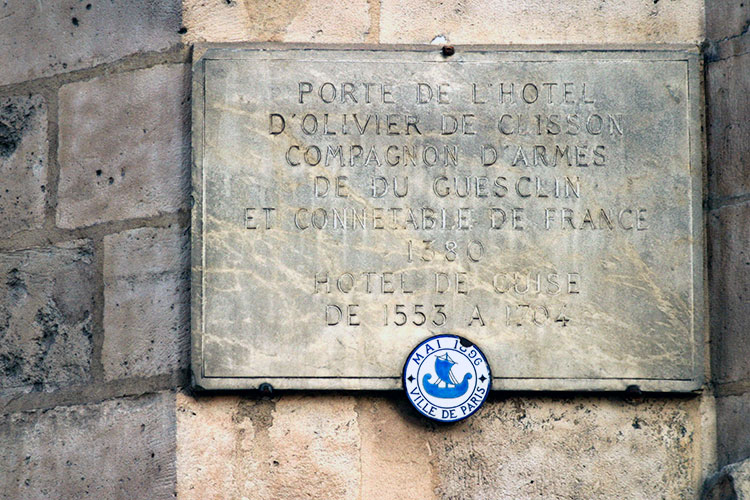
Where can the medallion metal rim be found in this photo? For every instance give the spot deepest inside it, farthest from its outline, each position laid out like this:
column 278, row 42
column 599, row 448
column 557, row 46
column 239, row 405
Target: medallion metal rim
column 460, row 338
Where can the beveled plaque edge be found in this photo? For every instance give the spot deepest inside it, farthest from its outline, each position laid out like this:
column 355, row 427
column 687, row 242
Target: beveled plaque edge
column 690, row 53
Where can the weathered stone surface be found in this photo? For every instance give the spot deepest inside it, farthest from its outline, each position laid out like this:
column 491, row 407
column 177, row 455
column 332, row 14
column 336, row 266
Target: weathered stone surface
column 377, row 447
column 730, row 483
column 733, row 428
column 535, row 22
column 124, row 146
column 316, row 21
column 296, row 447
column 314, row 268
column 726, row 18
column 729, row 277
column 728, row 95
column 46, row 308
column 122, row 448
column 571, row 448
column 42, row 38
column 23, row 163
column 146, row 302
column 397, row 456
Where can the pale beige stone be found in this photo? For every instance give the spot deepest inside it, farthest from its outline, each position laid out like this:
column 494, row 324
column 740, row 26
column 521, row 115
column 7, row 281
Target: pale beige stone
column 295, row 447
column 23, row 163
column 124, row 146
column 324, row 21
column 315, row 440
column 41, row 37
column 538, row 21
column 146, row 302
column 396, row 451
column 212, row 440
column 376, row 446
column 553, row 447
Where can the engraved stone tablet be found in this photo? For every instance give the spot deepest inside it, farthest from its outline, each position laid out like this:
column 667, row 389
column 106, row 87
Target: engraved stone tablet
column 352, row 202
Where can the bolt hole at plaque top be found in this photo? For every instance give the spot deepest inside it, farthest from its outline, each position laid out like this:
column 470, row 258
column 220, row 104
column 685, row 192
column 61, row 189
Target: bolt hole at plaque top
column 466, row 342
column 448, row 50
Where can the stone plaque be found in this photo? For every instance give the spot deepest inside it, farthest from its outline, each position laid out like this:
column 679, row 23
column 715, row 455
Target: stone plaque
column 350, row 202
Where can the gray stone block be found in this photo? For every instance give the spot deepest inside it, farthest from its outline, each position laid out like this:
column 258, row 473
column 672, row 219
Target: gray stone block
column 46, row 309
column 733, row 428
column 728, row 96
column 124, row 146
column 146, row 302
column 23, row 163
column 730, row 483
column 729, row 278
column 726, row 18
column 44, row 38
column 123, row 448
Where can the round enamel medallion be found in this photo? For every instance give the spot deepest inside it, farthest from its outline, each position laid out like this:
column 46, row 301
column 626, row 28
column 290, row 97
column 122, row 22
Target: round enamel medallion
column 447, row 378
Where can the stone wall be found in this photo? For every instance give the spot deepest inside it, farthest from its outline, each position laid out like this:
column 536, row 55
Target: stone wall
column 728, row 99
column 94, row 215
column 94, row 298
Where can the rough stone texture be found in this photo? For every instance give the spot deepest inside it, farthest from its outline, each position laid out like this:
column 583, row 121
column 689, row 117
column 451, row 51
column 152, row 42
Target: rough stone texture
column 733, row 428
column 376, row 447
column 326, row 21
column 118, row 449
column 46, row 304
column 297, row 447
column 728, row 91
column 146, row 302
column 41, row 38
column 23, row 163
column 730, row 483
column 730, row 292
column 536, row 21
column 124, row 146
column 726, row 18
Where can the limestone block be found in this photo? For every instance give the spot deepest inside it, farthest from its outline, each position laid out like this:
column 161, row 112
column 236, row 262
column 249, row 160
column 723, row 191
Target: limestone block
column 124, row 146
column 23, row 163
column 733, row 428
column 42, row 38
column 397, row 454
column 536, row 21
column 731, row 482
column 296, row 447
column 729, row 279
column 728, row 96
column 580, row 447
column 46, row 309
column 326, row 21
column 376, row 446
column 122, row 448
column 146, row 302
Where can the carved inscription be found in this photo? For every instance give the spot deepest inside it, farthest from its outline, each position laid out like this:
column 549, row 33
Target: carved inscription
column 353, row 204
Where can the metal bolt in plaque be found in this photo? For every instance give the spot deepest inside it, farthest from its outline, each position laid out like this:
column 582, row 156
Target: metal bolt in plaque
column 352, row 202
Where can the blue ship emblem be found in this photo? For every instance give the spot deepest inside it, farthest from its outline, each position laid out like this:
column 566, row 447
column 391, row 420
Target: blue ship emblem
column 447, row 386
column 463, row 379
